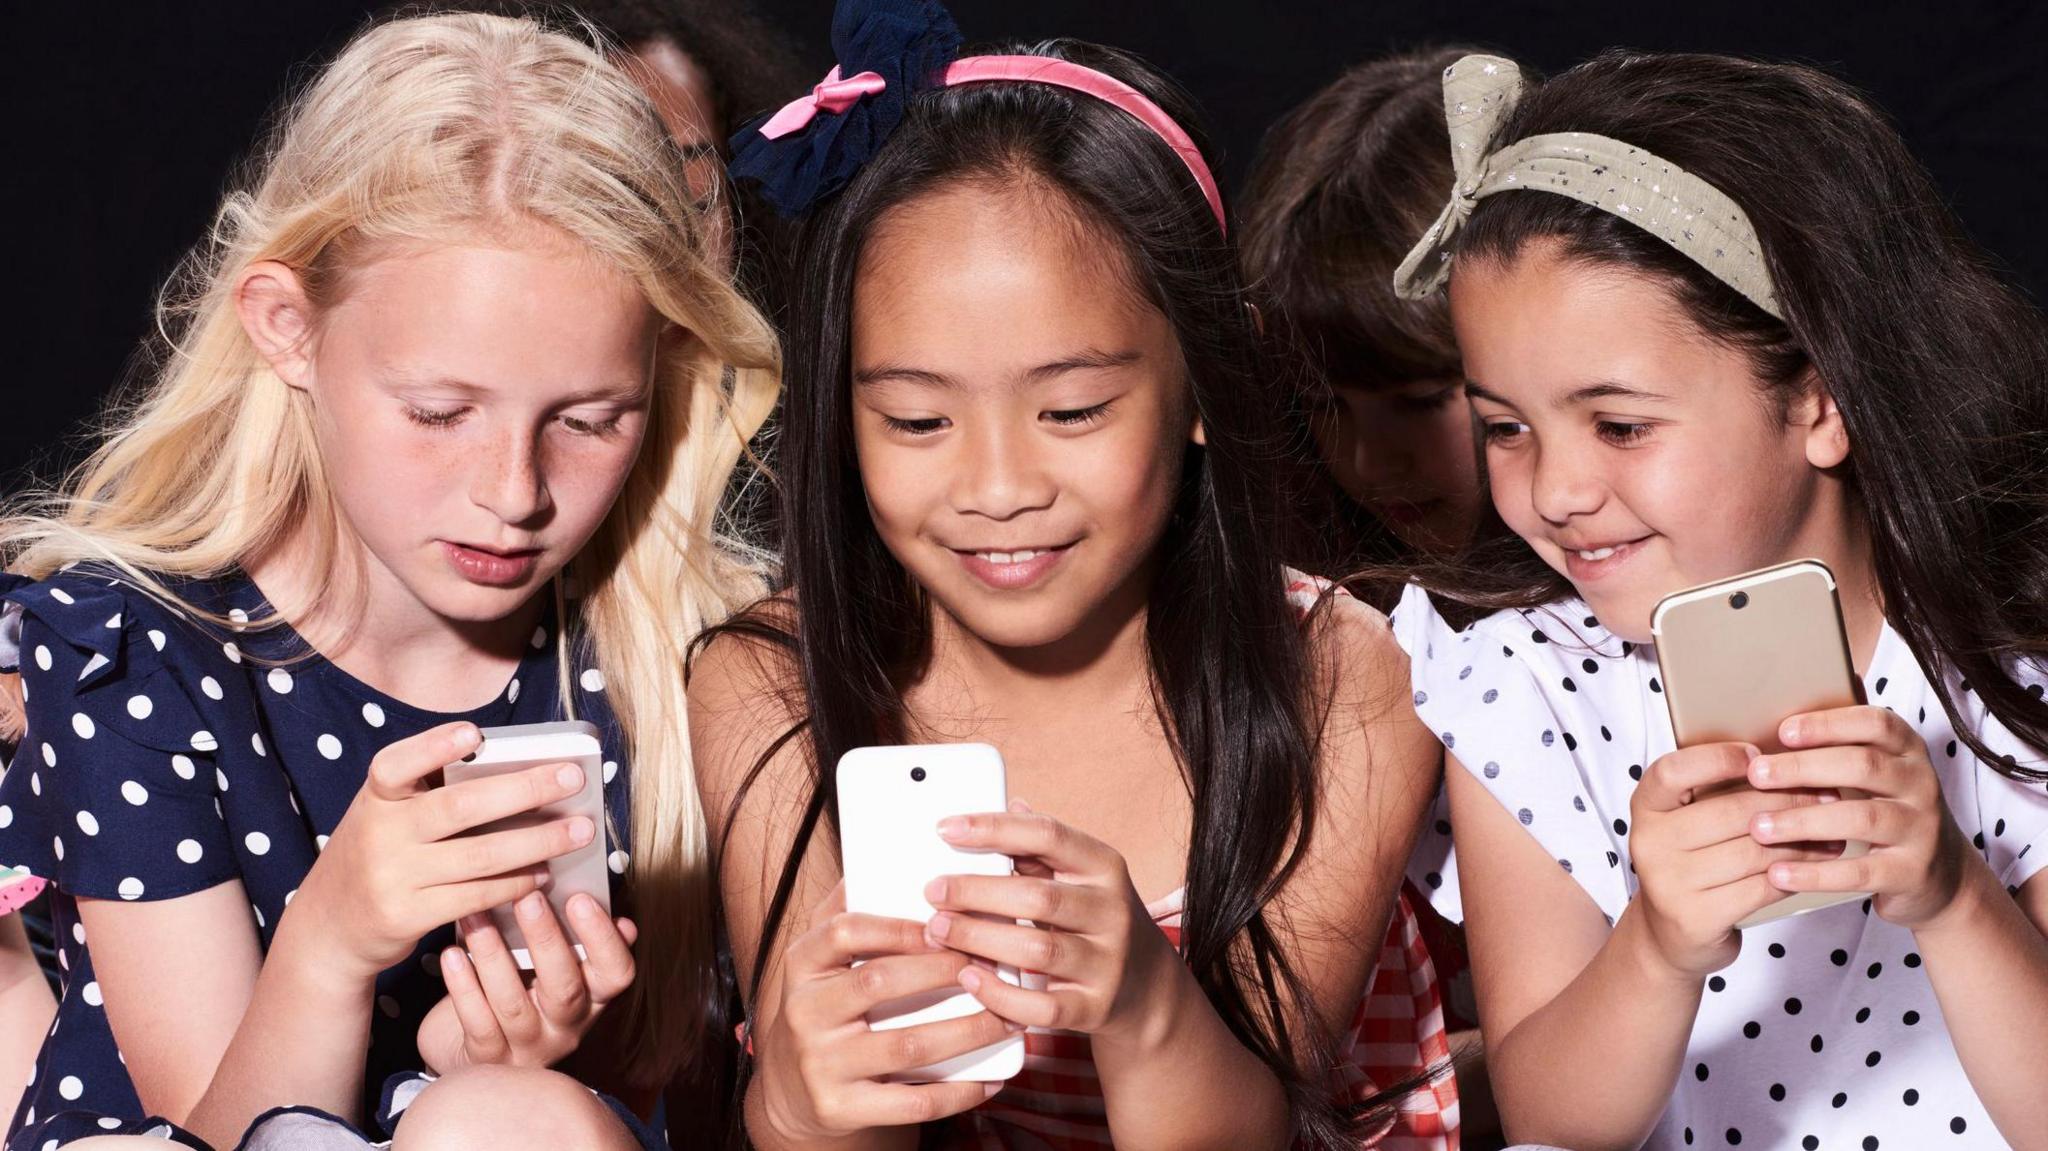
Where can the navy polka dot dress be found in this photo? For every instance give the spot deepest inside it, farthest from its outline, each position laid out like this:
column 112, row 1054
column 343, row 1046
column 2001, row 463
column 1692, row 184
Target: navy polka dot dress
column 1824, row 1032
column 163, row 759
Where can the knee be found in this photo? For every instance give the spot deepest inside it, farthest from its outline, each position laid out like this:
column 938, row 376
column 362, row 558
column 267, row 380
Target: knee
column 508, row 1109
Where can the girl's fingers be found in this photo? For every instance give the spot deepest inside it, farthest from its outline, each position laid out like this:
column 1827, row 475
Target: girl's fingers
column 892, row 1052
column 496, row 970
column 835, row 943
column 1875, row 821
column 909, row 1104
column 1841, row 726
column 497, row 852
column 1055, row 953
column 1741, row 858
column 607, row 948
column 1030, row 834
column 892, row 977
column 1043, row 1009
column 457, row 901
column 1863, row 873
column 1672, row 781
column 558, row 986
column 482, row 1037
column 1730, row 815
column 458, row 807
column 401, row 769
column 1857, row 766
column 1047, row 902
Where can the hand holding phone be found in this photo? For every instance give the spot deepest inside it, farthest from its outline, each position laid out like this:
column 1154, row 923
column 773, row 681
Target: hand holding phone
column 493, row 1014
column 507, row 751
column 1739, row 657
column 403, row 861
column 891, row 801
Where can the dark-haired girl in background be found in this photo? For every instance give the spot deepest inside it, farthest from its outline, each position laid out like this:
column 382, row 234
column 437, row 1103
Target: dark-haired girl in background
column 1715, row 317
column 1030, row 502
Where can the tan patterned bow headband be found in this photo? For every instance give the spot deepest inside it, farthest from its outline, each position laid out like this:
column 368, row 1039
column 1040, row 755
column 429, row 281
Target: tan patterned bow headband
column 1654, row 194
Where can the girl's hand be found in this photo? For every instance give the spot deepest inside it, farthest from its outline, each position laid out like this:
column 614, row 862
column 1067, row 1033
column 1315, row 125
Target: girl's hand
column 398, row 865
column 1110, row 970
column 493, row 1014
column 1701, row 872
column 1917, row 853
column 821, row 1067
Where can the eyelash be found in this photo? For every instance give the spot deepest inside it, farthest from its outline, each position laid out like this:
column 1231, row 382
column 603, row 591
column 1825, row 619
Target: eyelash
column 433, row 419
column 1619, row 434
column 427, row 418
column 1433, row 402
column 1065, row 417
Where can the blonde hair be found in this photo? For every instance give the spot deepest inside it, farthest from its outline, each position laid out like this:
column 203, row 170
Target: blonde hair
column 427, row 130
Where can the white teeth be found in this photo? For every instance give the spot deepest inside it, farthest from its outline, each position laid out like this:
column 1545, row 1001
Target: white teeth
column 1596, row 554
column 1008, row 557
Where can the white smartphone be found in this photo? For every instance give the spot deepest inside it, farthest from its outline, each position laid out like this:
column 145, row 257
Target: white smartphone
column 891, row 800
column 1741, row 655
column 509, row 749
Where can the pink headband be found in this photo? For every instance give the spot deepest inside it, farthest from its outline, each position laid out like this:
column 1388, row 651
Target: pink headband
column 836, row 95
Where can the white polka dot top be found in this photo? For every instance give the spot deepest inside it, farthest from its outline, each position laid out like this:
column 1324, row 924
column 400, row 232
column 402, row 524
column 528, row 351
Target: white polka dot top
column 1824, row 1033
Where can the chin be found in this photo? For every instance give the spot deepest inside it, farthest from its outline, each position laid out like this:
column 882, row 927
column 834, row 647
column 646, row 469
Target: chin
column 454, row 598
column 1004, row 622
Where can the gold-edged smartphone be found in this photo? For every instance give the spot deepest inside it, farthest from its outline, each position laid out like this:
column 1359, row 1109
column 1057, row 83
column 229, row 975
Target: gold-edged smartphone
column 1741, row 655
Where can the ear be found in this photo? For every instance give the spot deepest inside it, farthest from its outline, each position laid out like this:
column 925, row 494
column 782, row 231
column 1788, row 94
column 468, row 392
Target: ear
column 277, row 316
column 1827, row 440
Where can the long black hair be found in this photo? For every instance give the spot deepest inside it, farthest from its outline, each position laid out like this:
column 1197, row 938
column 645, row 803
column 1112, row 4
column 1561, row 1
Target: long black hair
column 1939, row 367
column 1229, row 667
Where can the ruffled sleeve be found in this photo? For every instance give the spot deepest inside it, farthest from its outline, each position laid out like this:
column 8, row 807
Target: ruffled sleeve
column 113, row 792
column 1496, row 697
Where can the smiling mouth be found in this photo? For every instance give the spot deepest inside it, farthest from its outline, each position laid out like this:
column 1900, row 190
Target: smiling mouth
column 1014, row 569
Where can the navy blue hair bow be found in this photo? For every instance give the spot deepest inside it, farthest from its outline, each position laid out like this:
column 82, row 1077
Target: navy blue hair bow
column 888, row 51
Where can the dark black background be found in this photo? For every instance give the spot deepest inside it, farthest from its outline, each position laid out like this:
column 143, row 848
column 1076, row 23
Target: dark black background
column 124, row 121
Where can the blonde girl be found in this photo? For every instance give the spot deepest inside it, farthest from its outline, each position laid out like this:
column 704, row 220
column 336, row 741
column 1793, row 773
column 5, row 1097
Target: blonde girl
column 451, row 399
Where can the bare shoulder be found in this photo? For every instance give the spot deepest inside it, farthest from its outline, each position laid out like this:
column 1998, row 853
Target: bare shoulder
column 745, row 691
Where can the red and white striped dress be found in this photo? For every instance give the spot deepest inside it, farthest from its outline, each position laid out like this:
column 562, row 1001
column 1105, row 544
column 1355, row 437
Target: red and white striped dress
column 1397, row 1033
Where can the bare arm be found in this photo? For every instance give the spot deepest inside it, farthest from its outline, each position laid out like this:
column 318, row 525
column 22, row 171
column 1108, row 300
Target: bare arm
column 205, row 945
column 1988, row 962
column 25, row 1003
column 1562, row 1000
column 1194, row 1084
column 737, row 711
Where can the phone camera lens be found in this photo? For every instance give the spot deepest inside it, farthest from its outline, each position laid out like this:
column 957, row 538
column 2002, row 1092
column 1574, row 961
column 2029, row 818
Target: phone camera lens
column 1739, row 600
column 917, row 775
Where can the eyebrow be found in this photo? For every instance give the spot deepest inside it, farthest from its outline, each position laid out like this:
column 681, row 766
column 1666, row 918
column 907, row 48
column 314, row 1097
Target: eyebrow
column 1605, row 390
column 622, row 392
column 1088, row 359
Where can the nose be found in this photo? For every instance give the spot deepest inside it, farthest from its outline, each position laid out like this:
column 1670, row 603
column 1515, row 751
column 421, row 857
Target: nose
column 1566, row 483
column 999, row 474
column 510, row 478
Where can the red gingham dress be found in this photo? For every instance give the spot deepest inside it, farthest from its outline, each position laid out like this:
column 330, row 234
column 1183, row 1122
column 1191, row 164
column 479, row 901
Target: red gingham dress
column 1397, row 1033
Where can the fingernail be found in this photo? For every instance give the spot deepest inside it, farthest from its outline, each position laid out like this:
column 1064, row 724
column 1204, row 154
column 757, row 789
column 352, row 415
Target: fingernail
column 471, row 923
column 1781, row 877
column 970, row 977
column 530, row 907
column 1760, row 769
column 1012, row 1025
column 989, row 1090
column 584, row 907
column 1019, row 805
column 542, row 877
column 935, row 892
column 569, row 776
column 468, row 736
column 953, row 826
column 1788, row 731
column 580, row 830
column 1749, row 752
column 1762, row 826
column 452, row 959
column 939, row 926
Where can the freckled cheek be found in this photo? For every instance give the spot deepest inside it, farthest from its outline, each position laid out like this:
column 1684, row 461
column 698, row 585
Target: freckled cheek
column 584, row 479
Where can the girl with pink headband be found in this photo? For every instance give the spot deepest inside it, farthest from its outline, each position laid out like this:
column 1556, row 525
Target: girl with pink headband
column 1029, row 467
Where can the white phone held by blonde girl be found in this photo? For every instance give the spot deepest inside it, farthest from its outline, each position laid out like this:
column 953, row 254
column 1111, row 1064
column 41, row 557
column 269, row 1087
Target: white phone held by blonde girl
column 1742, row 655
column 891, row 800
column 508, row 749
